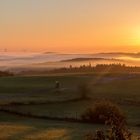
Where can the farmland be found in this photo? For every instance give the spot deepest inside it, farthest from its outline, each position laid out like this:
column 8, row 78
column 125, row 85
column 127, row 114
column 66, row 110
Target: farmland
column 31, row 107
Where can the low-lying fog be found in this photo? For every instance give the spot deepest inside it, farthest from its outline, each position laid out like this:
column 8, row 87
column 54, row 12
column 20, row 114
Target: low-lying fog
column 28, row 61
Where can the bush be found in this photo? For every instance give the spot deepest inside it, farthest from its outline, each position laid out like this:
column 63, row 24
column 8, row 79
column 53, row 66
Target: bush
column 113, row 134
column 99, row 135
column 103, row 112
column 110, row 114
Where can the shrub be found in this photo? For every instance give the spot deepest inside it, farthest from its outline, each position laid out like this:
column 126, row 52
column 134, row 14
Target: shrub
column 111, row 135
column 99, row 135
column 103, row 112
column 110, row 114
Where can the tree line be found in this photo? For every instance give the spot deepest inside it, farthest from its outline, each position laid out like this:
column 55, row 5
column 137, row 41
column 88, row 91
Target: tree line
column 121, row 68
column 5, row 73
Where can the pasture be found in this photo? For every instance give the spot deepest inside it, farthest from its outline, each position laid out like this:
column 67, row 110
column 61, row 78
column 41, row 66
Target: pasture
column 37, row 96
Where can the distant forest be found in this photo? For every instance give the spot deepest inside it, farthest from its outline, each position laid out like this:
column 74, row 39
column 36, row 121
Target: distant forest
column 121, row 68
column 5, row 73
column 99, row 68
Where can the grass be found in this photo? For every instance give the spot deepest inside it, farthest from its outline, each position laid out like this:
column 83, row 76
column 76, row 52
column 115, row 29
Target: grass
column 40, row 129
column 73, row 110
column 35, row 84
column 37, row 89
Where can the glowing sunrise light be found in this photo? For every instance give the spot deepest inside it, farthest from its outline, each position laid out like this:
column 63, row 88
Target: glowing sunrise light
column 70, row 26
column 136, row 37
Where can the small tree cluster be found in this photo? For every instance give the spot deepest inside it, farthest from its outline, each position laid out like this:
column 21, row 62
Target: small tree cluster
column 103, row 111
column 109, row 114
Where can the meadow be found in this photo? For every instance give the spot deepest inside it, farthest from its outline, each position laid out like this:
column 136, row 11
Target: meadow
column 32, row 108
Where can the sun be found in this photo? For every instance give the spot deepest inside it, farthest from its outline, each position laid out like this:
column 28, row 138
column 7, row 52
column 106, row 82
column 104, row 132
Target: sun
column 136, row 37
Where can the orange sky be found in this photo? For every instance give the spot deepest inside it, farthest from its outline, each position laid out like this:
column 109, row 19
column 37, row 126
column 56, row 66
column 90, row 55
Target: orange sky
column 70, row 25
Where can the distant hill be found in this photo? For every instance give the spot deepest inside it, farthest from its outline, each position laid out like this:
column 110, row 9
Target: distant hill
column 89, row 59
column 100, row 54
column 120, row 54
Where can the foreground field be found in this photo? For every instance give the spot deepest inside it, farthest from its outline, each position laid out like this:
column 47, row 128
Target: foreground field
column 13, row 127
column 37, row 96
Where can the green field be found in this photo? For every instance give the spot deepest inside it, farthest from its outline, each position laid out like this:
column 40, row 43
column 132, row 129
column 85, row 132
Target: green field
column 36, row 95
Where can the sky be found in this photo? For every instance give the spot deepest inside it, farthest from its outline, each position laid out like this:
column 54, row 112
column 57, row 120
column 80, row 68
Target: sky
column 70, row 25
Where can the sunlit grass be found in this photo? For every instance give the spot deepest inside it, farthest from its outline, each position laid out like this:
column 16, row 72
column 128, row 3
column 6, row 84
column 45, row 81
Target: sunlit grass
column 7, row 131
column 52, row 134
